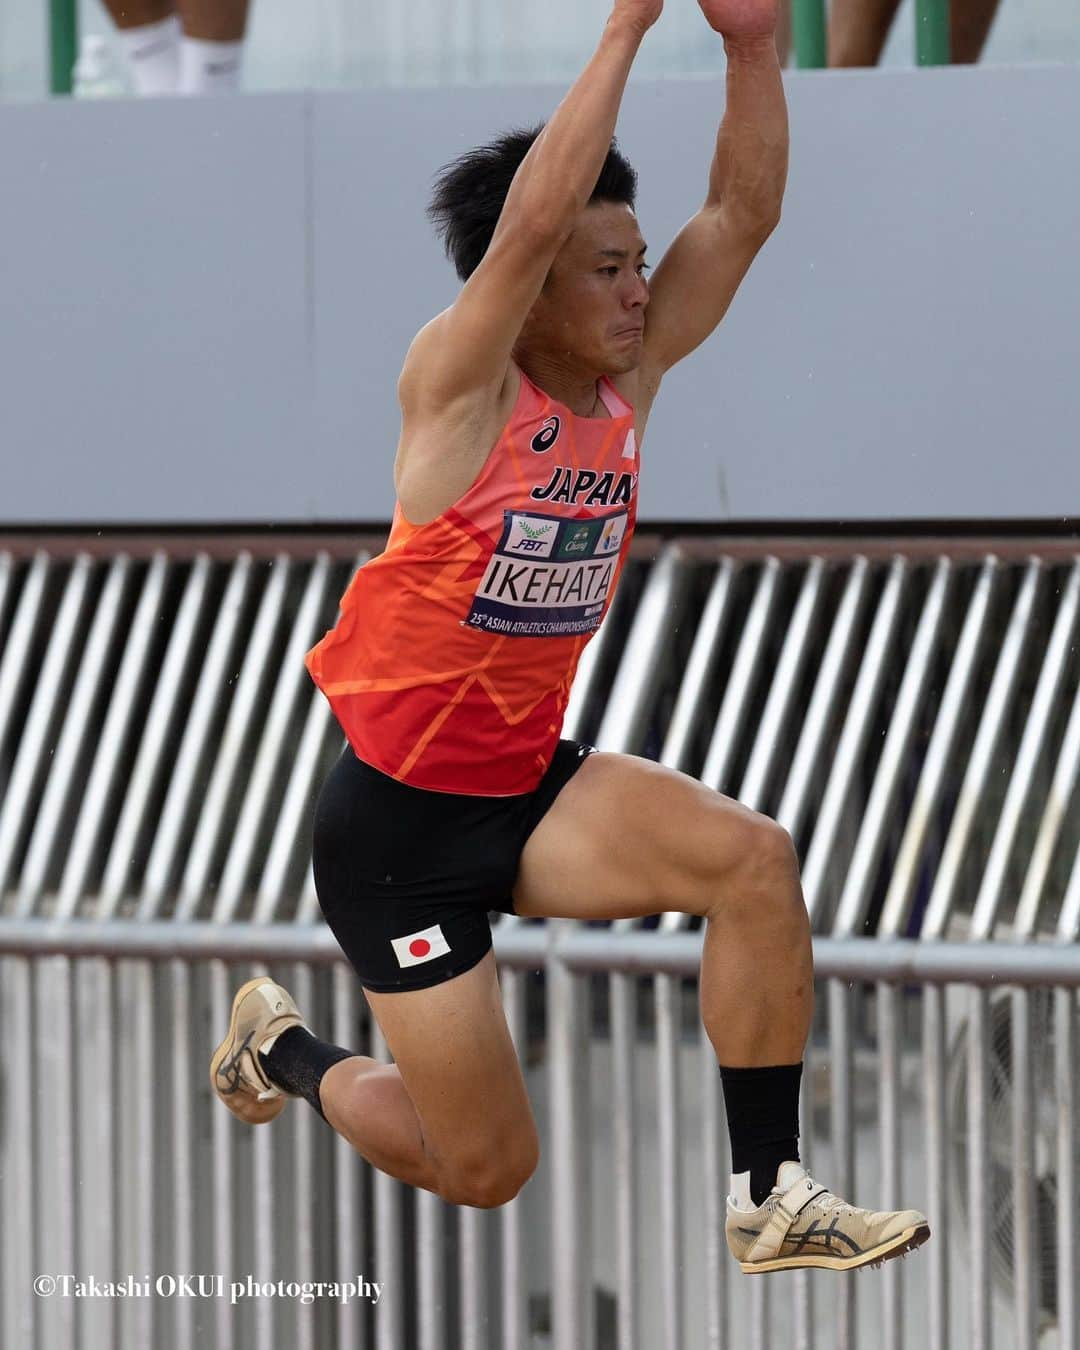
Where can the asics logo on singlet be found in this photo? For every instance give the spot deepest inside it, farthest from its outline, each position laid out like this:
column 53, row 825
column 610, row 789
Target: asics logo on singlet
column 546, row 437
column 587, row 486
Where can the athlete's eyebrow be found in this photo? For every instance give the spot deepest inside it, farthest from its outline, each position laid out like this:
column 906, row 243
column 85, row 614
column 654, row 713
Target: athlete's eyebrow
column 618, row 252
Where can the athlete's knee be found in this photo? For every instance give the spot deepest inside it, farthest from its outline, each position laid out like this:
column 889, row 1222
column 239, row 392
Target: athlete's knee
column 775, row 850
column 486, row 1183
column 763, row 879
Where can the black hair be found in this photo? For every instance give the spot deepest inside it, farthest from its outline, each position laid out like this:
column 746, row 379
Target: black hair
column 470, row 192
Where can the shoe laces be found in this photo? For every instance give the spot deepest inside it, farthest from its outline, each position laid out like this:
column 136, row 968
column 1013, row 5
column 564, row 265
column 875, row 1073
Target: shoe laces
column 828, row 1203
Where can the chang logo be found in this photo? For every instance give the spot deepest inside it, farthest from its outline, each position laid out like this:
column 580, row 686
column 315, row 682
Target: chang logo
column 546, row 437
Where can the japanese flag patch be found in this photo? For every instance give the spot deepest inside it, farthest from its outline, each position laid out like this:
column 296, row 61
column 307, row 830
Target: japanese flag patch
column 415, row 948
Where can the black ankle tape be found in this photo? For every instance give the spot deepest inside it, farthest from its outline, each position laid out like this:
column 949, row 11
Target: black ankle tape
column 297, row 1061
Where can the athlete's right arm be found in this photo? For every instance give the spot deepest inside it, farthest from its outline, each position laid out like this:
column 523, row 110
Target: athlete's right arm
column 466, row 349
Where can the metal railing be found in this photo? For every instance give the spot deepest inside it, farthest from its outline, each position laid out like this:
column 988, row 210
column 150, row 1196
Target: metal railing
column 909, row 710
column 117, row 1162
column 909, row 714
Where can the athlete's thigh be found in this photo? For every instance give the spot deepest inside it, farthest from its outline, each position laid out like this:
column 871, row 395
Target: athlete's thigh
column 627, row 836
column 457, row 1060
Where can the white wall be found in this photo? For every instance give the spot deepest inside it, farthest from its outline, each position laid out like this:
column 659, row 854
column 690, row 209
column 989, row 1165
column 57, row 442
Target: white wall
column 206, row 303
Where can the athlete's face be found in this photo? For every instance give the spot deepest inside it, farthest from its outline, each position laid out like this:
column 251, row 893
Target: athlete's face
column 592, row 308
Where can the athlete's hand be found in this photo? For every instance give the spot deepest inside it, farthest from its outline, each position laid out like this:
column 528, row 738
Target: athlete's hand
column 741, row 18
column 641, row 14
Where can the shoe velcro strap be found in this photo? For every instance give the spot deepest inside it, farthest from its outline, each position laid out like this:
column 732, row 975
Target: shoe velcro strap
column 797, row 1197
column 788, row 1208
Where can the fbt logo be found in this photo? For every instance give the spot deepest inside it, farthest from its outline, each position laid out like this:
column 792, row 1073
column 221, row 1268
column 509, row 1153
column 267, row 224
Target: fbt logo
column 532, row 536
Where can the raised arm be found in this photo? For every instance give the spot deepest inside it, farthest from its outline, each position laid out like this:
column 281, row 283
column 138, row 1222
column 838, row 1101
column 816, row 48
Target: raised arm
column 466, row 349
column 697, row 278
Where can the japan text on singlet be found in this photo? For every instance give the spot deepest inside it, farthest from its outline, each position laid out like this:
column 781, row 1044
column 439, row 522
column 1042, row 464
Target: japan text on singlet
column 451, row 662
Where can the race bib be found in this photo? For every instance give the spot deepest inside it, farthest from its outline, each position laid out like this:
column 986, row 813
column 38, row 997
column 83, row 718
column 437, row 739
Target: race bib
column 548, row 576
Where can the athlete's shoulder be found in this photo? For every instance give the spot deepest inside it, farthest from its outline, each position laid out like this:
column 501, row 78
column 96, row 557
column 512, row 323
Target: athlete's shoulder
column 422, row 405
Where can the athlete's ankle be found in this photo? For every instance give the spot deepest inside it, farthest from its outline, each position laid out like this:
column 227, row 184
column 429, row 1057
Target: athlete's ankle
column 763, row 1121
column 297, row 1061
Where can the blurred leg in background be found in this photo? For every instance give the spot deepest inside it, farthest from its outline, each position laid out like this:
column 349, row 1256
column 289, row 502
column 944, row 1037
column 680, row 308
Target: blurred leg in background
column 969, row 27
column 212, row 46
column 783, row 32
column 858, row 30
column 192, row 47
column 149, row 34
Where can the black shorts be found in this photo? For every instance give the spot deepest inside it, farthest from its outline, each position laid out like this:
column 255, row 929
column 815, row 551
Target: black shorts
column 406, row 876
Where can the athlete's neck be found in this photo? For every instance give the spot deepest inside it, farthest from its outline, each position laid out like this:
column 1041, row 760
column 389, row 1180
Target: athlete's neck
column 579, row 392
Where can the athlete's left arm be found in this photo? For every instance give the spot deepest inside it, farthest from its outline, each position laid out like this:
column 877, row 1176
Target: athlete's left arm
column 697, row 278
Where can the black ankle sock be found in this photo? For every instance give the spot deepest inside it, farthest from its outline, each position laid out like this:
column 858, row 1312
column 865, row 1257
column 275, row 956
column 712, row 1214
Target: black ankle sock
column 298, row 1060
column 763, row 1121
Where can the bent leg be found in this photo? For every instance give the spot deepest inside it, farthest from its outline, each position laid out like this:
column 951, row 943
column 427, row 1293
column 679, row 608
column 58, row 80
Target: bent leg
column 367, row 1104
column 451, row 1114
column 627, row 837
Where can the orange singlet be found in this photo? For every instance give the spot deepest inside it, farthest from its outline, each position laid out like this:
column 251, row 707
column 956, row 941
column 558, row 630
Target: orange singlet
column 451, row 662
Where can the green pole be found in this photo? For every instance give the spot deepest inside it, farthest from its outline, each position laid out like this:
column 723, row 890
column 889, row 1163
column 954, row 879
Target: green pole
column 808, row 27
column 63, row 41
column 932, row 32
